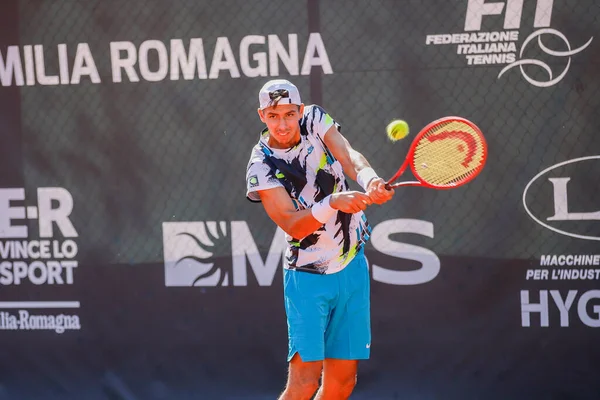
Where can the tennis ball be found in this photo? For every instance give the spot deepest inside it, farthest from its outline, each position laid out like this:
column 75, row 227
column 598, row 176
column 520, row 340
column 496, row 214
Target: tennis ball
column 397, row 129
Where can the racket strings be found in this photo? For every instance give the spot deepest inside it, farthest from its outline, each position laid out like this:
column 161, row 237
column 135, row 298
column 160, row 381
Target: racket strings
column 448, row 154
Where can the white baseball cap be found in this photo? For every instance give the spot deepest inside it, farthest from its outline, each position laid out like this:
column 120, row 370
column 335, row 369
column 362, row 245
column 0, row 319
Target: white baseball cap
column 278, row 91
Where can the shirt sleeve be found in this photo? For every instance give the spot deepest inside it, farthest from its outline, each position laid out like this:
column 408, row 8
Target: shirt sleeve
column 259, row 177
column 320, row 121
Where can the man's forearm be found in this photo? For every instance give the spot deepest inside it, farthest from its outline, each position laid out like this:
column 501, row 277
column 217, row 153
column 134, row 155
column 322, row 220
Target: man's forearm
column 359, row 162
column 302, row 223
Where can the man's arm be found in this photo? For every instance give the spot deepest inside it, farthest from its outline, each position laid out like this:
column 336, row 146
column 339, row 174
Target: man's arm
column 301, row 223
column 353, row 163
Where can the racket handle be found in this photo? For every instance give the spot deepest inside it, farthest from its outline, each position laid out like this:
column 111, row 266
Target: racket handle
column 396, row 185
column 387, row 186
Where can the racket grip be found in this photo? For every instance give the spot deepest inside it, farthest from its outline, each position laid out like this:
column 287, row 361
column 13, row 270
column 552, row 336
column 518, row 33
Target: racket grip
column 387, row 186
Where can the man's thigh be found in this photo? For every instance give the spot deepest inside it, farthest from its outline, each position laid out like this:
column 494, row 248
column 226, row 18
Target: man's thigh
column 348, row 334
column 308, row 303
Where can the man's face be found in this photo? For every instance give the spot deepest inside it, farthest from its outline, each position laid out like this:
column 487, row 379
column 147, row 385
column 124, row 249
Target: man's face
column 282, row 122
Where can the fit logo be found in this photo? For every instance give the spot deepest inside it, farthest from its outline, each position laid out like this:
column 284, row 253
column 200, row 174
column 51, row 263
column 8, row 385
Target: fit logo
column 492, row 36
column 477, row 9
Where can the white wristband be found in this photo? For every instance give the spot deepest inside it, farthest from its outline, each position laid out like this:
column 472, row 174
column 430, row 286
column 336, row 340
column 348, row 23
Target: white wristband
column 322, row 211
column 365, row 176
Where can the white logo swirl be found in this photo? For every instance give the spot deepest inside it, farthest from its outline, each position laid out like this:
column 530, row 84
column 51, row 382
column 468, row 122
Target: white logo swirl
column 529, row 61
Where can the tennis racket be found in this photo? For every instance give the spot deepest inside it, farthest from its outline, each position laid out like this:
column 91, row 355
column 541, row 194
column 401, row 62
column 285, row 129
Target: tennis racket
column 447, row 153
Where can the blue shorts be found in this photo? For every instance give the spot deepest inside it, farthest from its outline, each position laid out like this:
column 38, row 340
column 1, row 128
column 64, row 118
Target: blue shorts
column 329, row 316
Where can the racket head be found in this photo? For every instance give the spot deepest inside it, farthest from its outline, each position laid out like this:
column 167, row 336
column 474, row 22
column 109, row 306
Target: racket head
column 447, row 153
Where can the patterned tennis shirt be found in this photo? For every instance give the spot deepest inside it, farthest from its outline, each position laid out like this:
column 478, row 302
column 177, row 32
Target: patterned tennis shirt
column 309, row 172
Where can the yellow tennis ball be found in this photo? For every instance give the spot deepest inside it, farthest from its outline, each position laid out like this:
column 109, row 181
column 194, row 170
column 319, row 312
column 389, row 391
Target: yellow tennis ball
column 397, row 129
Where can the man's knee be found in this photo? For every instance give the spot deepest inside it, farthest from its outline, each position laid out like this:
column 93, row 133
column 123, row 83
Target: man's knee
column 348, row 386
column 342, row 386
column 339, row 378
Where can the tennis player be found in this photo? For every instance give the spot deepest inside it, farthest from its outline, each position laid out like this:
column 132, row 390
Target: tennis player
column 298, row 171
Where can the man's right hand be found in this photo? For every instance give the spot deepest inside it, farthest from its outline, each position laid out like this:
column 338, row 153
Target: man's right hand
column 350, row 202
